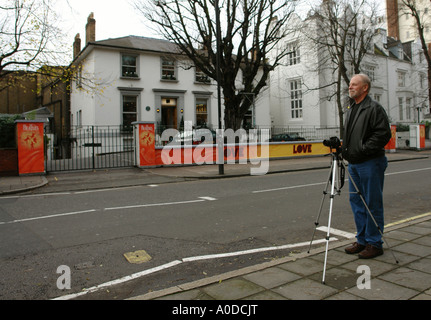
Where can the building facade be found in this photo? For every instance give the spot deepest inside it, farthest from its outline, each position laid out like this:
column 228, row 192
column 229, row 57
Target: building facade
column 123, row 80
column 302, row 94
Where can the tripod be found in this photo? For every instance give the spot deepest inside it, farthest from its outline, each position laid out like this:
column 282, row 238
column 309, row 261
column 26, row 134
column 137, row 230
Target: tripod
column 336, row 179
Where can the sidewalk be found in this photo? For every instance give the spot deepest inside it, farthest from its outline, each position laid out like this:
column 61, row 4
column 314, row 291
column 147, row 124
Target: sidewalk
column 297, row 277
column 300, row 277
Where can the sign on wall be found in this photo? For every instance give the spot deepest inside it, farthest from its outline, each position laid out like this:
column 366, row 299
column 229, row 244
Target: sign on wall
column 30, row 141
column 147, row 152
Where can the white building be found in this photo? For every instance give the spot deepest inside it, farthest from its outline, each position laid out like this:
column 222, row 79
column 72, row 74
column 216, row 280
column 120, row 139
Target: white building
column 301, row 97
column 130, row 79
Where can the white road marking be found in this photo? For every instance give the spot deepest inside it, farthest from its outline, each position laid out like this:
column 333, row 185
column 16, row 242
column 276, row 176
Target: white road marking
column 408, row 171
column 322, row 183
column 337, row 232
column 291, row 187
column 201, row 199
column 49, row 217
column 119, row 281
column 178, row 262
column 154, row 205
column 239, row 253
column 208, row 198
column 36, row 195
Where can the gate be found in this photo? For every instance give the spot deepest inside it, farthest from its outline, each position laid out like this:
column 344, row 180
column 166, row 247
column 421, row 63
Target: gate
column 89, row 147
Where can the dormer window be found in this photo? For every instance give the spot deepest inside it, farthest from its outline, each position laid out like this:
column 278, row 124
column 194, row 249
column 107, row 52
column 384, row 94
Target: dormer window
column 400, row 53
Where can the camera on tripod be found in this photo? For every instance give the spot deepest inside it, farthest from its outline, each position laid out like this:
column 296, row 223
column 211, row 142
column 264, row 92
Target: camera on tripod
column 333, row 143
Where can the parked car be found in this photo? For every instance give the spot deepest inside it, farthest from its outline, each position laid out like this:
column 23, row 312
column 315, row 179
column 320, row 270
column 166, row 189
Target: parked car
column 197, row 136
column 285, row 137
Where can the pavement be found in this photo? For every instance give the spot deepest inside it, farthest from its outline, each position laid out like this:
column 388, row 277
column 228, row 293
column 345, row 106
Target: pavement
column 403, row 272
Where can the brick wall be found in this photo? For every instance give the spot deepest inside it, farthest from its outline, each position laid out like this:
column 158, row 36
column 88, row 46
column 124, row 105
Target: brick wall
column 8, row 162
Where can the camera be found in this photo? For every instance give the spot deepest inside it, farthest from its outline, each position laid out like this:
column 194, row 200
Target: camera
column 333, row 143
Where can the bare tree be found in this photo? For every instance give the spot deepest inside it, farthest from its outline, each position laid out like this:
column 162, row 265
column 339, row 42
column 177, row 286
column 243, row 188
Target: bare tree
column 343, row 32
column 27, row 29
column 250, row 30
column 412, row 8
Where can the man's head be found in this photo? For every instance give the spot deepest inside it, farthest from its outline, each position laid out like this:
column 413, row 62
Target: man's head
column 359, row 87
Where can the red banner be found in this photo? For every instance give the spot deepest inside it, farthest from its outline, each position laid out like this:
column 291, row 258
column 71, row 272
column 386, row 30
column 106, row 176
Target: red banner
column 392, row 144
column 147, row 152
column 31, row 158
column 421, row 136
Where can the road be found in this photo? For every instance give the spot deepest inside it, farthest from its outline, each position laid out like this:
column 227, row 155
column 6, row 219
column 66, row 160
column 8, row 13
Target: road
column 180, row 225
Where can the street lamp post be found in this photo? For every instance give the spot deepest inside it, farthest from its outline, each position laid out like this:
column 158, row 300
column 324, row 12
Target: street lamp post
column 221, row 141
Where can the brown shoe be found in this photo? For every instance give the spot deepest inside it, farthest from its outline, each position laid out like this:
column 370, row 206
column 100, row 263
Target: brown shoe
column 370, row 252
column 354, row 248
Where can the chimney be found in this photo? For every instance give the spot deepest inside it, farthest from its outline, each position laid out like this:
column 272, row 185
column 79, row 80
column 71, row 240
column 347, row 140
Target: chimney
column 90, row 29
column 393, row 22
column 76, row 46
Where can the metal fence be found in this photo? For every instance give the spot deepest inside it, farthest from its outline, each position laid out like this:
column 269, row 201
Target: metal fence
column 100, row 147
column 90, row 147
column 309, row 133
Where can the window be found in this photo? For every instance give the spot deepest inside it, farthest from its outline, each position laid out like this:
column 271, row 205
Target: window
column 130, row 107
column 422, row 81
column 400, row 53
column 293, row 54
column 370, row 72
column 168, row 69
column 201, row 77
column 79, row 118
column 129, row 66
column 378, row 97
column 401, row 79
column 408, row 108
column 201, row 112
column 401, row 108
column 296, row 99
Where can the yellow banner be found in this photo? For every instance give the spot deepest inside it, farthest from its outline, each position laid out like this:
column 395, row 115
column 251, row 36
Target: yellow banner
column 297, row 149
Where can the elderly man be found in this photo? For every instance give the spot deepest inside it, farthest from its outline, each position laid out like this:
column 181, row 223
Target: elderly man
column 366, row 133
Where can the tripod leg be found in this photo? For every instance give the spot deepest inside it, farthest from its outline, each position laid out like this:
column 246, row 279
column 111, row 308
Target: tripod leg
column 325, row 192
column 333, row 193
column 369, row 213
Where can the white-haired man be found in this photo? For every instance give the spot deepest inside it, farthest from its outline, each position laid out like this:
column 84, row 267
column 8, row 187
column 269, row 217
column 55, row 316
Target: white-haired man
column 366, row 133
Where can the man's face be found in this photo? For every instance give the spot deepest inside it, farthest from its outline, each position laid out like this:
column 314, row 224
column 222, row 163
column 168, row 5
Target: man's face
column 357, row 88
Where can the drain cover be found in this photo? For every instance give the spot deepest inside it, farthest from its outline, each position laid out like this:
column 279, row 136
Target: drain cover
column 137, row 257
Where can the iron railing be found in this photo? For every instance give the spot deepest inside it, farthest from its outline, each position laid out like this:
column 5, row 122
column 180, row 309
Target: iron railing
column 90, row 147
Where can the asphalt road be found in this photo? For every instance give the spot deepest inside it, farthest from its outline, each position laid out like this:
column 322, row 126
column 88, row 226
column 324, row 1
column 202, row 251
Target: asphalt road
column 89, row 232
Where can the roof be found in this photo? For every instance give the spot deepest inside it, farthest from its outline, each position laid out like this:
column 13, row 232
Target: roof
column 140, row 43
column 40, row 113
column 132, row 43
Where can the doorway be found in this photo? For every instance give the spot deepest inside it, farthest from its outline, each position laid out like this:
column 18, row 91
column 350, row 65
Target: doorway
column 169, row 113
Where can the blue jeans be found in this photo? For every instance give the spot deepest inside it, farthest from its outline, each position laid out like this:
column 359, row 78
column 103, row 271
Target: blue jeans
column 369, row 178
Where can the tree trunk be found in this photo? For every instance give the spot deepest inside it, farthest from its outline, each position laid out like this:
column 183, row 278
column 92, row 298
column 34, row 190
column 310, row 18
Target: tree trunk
column 429, row 86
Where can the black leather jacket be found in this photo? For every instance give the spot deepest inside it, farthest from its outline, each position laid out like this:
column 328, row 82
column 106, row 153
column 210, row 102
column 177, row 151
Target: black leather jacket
column 367, row 135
